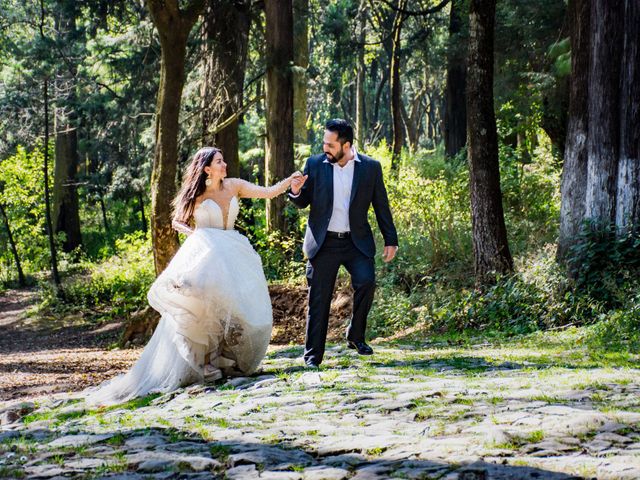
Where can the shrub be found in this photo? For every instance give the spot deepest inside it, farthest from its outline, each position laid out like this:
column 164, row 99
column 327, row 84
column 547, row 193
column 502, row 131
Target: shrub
column 119, row 283
column 602, row 262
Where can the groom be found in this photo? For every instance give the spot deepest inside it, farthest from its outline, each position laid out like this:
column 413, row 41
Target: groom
column 340, row 185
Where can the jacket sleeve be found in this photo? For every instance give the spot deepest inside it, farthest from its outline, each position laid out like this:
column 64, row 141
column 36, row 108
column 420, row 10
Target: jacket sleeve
column 304, row 198
column 383, row 212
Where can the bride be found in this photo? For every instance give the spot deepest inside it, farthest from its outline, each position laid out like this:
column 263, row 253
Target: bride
column 213, row 298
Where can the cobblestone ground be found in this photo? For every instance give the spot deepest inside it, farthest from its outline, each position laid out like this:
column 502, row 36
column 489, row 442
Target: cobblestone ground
column 410, row 411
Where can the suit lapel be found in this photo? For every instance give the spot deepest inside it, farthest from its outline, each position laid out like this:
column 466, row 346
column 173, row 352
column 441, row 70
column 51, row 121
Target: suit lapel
column 357, row 174
column 327, row 170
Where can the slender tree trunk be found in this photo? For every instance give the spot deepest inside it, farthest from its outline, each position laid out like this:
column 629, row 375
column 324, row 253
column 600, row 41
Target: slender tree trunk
column 103, row 209
column 490, row 246
column 14, row 250
column 378, row 98
column 173, row 24
column 47, row 203
column 360, row 78
column 628, row 182
column 143, row 218
column 279, row 102
column 396, row 90
column 574, row 172
column 226, row 35
column 66, row 209
column 604, row 113
column 301, row 61
column 455, row 114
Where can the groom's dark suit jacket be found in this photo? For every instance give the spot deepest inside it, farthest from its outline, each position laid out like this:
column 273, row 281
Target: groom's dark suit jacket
column 367, row 189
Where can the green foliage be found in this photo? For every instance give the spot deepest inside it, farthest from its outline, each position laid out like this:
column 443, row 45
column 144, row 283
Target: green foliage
column 603, row 262
column 114, row 287
column 619, row 329
column 429, row 203
column 22, row 195
column 560, row 54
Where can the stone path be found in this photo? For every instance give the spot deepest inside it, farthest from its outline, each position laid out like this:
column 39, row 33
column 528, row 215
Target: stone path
column 409, row 411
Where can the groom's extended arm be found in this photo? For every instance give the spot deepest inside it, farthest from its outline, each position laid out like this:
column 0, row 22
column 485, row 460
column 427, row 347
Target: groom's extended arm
column 303, row 198
column 383, row 212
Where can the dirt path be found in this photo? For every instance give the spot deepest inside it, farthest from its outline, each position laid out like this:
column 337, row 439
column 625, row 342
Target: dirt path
column 47, row 355
column 43, row 355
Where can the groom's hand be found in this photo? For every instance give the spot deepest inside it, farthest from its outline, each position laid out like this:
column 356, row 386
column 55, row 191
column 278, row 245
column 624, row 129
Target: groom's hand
column 389, row 253
column 297, row 183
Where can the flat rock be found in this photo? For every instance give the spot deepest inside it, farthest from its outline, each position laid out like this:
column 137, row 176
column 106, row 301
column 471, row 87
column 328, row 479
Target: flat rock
column 323, row 472
column 79, row 440
column 271, row 457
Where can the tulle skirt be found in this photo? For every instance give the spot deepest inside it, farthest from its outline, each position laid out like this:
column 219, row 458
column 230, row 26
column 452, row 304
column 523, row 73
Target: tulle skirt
column 216, row 318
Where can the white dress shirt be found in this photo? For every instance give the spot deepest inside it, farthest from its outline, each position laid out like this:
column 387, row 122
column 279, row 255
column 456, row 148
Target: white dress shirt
column 342, row 182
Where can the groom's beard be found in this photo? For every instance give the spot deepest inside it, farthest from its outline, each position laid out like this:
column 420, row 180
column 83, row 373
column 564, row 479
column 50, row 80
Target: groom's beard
column 333, row 159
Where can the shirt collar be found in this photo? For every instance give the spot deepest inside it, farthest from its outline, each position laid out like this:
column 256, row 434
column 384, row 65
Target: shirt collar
column 355, row 156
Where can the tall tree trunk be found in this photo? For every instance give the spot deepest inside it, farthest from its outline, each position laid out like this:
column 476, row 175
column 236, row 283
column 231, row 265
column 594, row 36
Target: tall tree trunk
column 455, row 114
column 360, row 77
column 301, row 61
column 66, row 214
column 574, row 172
column 279, row 102
column 173, row 24
column 226, row 34
column 628, row 185
column 396, row 89
column 47, row 203
column 14, row 250
column 490, row 246
column 604, row 113
column 143, row 218
column 103, row 209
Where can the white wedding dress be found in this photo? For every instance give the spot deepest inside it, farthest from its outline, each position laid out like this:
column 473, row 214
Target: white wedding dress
column 214, row 302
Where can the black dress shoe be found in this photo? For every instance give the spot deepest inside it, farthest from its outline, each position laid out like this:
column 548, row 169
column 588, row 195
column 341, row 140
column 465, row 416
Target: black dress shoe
column 361, row 347
column 312, row 364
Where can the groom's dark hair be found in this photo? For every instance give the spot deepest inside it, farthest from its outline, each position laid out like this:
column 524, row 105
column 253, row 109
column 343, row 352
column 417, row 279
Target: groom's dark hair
column 342, row 128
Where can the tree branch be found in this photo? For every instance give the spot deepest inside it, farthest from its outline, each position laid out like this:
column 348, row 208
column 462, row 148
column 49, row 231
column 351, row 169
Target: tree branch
column 416, row 13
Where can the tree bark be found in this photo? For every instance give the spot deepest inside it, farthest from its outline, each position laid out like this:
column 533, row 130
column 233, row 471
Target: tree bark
column 47, row 203
column 103, row 210
column 279, row 103
column 66, row 209
column 173, row 25
column 455, row 114
column 14, row 249
column 574, row 172
column 604, row 113
column 628, row 182
column 360, row 78
column 143, row 218
column 396, row 90
column 301, row 61
column 490, row 246
column 226, row 39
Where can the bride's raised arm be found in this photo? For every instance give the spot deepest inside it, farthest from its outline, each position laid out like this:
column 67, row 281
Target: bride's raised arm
column 251, row 190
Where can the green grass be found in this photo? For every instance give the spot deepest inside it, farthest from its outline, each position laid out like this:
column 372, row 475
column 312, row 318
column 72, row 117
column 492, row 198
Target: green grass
column 534, row 437
column 220, row 452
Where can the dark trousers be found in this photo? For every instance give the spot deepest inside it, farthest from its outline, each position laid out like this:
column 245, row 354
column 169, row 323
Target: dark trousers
column 322, row 271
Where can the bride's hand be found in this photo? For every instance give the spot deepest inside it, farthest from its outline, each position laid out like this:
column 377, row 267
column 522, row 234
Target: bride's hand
column 297, row 181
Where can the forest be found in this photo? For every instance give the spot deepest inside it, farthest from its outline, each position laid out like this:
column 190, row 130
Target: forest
column 509, row 134
column 502, row 341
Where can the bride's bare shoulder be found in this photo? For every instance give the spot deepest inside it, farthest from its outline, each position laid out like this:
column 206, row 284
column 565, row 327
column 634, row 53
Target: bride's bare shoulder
column 233, row 184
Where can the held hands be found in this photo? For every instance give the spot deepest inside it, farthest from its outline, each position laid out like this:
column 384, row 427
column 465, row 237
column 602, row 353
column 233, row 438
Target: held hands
column 389, row 253
column 297, row 181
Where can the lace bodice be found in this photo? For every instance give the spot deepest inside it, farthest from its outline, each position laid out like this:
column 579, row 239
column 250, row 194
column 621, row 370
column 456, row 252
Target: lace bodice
column 211, row 215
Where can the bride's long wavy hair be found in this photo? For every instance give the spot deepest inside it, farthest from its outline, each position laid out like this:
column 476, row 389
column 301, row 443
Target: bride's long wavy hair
column 193, row 184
